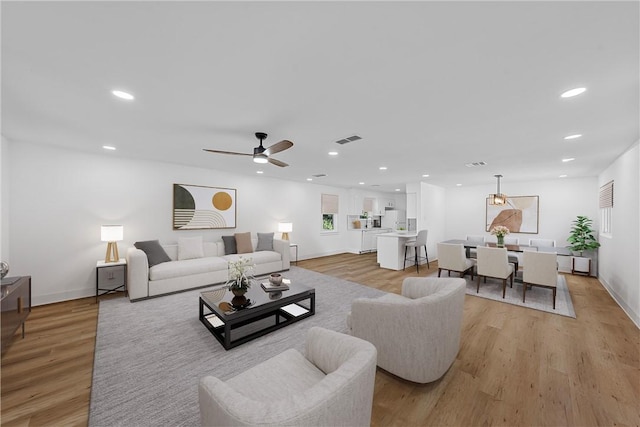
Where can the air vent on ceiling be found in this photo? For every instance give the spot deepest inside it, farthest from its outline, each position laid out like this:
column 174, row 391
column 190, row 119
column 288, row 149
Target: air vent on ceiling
column 319, row 175
column 474, row 164
column 348, row 139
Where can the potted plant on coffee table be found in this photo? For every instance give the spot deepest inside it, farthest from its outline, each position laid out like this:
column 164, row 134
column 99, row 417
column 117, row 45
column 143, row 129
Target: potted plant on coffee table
column 240, row 276
column 582, row 240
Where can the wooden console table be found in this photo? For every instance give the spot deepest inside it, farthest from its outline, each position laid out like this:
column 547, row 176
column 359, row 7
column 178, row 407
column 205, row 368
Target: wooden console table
column 16, row 306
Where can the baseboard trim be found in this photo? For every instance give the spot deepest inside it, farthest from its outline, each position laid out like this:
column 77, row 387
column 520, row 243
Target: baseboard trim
column 635, row 318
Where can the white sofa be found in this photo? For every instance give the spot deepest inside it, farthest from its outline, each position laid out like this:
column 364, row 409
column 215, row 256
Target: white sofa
column 179, row 275
column 330, row 385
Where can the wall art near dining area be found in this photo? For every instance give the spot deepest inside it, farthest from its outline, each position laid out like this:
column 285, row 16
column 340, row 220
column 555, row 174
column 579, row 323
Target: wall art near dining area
column 197, row 207
column 519, row 214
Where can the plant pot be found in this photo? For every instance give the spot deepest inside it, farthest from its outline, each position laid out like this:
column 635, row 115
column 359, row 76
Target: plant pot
column 238, row 292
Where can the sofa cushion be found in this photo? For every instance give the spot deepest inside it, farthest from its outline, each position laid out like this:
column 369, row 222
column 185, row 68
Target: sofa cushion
column 261, row 257
column 155, row 253
column 229, row 245
column 190, row 247
column 187, row 267
column 265, row 242
column 243, row 243
column 265, row 381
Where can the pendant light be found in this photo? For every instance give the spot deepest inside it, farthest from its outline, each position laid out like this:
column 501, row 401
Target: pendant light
column 498, row 198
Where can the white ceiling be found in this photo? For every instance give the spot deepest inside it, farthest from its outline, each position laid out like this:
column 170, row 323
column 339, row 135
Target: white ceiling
column 429, row 86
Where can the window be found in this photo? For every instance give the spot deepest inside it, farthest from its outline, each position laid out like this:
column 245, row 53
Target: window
column 606, row 207
column 329, row 207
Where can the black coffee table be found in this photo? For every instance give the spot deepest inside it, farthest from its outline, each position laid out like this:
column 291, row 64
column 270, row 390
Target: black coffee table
column 234, row 320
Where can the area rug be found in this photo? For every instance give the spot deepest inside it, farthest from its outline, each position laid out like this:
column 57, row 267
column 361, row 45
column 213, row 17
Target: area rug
column 151, row 354
column 537, row 298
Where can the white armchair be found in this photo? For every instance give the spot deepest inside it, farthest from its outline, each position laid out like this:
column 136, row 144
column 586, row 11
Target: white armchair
column 417, row 334
column 451, row 257
column 541, row 269
column 493, row 262
column 331, row 385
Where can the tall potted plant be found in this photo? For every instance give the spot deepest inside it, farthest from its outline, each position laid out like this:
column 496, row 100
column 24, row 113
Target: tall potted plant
column 582, row 239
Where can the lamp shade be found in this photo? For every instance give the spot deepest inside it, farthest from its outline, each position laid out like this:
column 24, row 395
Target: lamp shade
column 111, row 233
column 285, row 227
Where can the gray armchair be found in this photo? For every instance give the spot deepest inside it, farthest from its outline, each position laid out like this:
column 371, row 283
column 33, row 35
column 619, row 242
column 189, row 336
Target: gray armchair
column 417, row 334
column 331, row 385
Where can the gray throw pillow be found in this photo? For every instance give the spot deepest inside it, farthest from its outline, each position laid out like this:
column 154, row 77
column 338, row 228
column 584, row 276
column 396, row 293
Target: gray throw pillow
column 229, row 245
column 265, row 242
column 155, row 253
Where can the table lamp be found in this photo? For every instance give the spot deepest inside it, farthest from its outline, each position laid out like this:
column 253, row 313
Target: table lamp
column 285, row 228
column 111, row 234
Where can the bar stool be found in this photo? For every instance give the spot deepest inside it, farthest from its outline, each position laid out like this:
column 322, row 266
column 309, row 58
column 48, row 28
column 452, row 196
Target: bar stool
column 420, row 241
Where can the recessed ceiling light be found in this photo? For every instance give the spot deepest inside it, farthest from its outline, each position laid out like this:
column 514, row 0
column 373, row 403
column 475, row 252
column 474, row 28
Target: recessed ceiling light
column 425, row 175
column 361, row 183
column 573, row 92
column 573, row 136
column 562, row 176
column 259, row 172
column 333, row 153
column 123, row 95
column 458, row 185
column 383, row 168
column 397, row 189
column 109, row 147
column 309, row 179
column 568, row 159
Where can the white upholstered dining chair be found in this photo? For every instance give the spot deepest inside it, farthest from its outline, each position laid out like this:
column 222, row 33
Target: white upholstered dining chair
column 540, row 269
column 474, row 239
column 542, row 242
column 451, row 257
column 493, row 262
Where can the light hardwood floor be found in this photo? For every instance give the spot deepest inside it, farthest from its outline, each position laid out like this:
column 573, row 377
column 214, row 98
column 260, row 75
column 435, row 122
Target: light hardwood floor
column 516, row 366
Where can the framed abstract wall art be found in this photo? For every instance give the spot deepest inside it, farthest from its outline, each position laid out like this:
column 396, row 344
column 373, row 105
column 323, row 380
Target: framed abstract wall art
column 519, row 214
column 197, row 207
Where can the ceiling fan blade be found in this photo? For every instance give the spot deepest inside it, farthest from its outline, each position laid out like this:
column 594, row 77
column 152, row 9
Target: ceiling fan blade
column 277, row 162
column 278, row 146
column 227, row 152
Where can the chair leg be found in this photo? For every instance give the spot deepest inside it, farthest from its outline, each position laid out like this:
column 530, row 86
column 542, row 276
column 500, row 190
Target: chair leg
column 524, row 291
column 478, row 288
column 426, row 255
column 554, row 298
column 504, row 287
column 439, row 271
column 417, row 249
column 405, row 258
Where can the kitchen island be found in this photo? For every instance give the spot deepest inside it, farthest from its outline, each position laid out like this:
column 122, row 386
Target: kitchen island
column 391, row 249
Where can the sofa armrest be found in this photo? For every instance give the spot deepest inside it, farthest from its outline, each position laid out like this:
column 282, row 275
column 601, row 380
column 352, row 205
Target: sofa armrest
column 283, row 248
column 137, row 274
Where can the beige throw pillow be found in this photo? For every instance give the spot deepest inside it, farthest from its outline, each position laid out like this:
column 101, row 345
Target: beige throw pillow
column 243, row 243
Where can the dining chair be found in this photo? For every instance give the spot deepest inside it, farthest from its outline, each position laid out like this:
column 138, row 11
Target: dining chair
column 474, row 239
column 542, row 242
column 493, row 262
column 540, row 269
column 421, row 240
column 451, row 257
column 514, row 257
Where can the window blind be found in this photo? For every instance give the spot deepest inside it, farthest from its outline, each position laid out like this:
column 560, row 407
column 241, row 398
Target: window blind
column 606, row 195
column 329, row 203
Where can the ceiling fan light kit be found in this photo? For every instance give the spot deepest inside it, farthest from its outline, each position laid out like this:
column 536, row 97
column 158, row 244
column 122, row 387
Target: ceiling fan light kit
column 261, row 154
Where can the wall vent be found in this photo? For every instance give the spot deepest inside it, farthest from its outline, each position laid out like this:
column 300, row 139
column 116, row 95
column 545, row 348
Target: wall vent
column 474, row 164
column 348, row 139
column 319, row 175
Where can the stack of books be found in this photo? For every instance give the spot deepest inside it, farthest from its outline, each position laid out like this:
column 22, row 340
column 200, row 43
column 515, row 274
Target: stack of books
column 270, row 287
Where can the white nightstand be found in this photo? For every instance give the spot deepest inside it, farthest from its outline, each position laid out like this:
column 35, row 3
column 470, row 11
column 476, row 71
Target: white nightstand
column 111, row 277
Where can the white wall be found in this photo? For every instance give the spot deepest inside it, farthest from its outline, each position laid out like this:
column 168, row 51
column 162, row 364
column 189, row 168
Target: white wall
column 619, row 254
column 560, row 202
column 4, row 201
column 59, row 198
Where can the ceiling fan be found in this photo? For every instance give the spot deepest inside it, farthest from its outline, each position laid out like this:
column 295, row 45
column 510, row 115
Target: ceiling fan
column 261, row 154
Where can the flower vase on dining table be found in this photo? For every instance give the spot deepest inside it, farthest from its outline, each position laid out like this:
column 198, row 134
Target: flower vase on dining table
column 500, row 241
